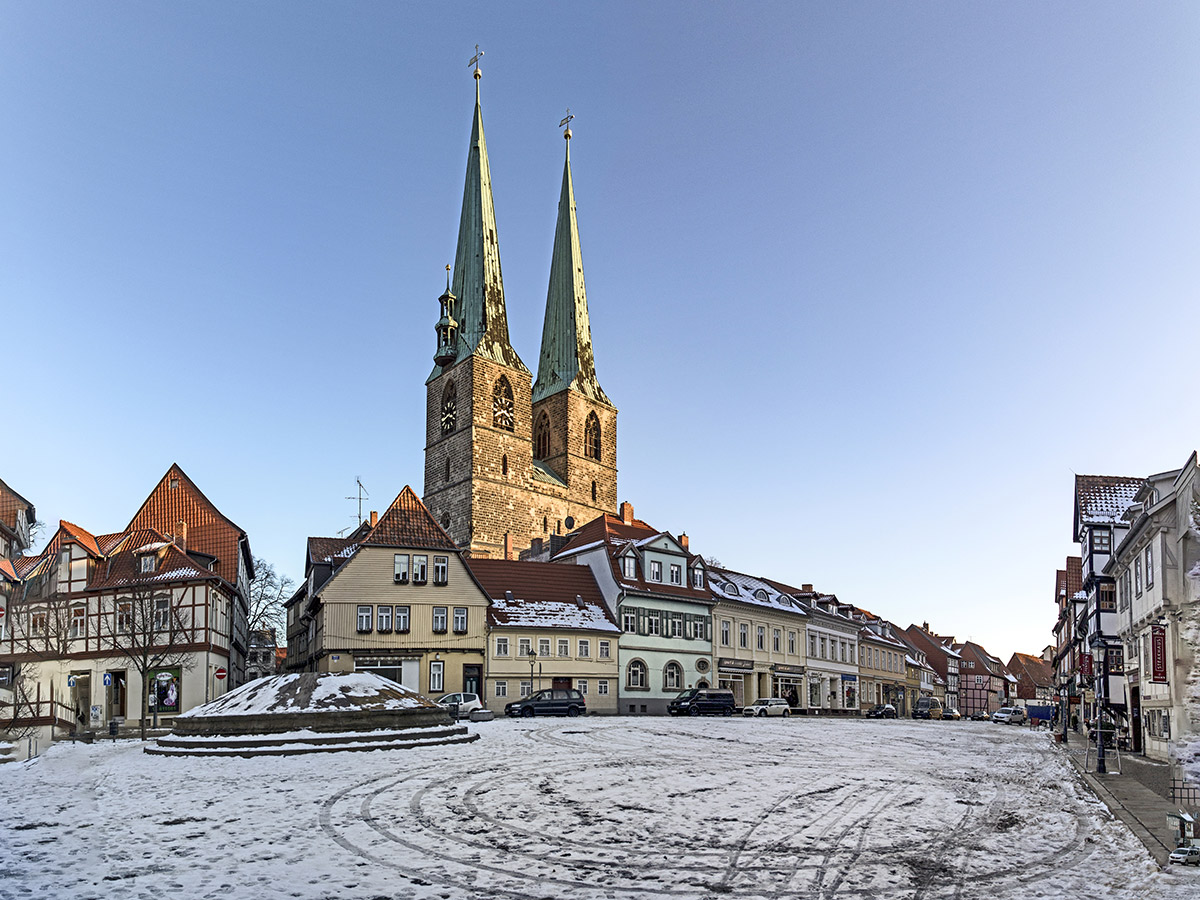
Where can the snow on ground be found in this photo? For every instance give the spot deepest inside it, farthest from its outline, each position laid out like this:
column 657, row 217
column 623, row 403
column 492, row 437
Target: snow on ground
column 311, row 693
column 596, row 808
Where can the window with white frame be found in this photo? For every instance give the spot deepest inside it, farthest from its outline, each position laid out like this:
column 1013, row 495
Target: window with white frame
column 440, row 569
column 725, row 632
column 628, row 566
column 501, row 688
column 124, row 617
column 653, row 624
column 676, row 574
column 420, row 568
column 629, row 621
column 402, row 618
column 585, row 648
column 812, row 646
column 603, row 649
column 364, row 619
column 1137, row 575
column 437, row 677
column 78, row 621
column 655, row 570
column 676, row 625
column 1150, row 566
column 761, row 638
column 582, row 686
column 635, row 674
column 1101, row 540
column 383, row 619
column 824, row 654
column 502, row 646
column 460, row 620
column 400, row 568
column 697, row 577
column 146, row 563
column 792, row 643
column 543, row 646
column 162, row 614
column 564, row 647
column 526, row 688
column 440, row 614
column 744, row 636
column 524, row 647
column 776, row 640
column 672, row 677
column 602, row 687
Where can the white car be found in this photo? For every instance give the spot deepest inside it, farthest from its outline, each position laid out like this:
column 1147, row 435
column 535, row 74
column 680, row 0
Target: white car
column 1010, row 715
column 768, row 706
column 1189, row 856
column 467, row 702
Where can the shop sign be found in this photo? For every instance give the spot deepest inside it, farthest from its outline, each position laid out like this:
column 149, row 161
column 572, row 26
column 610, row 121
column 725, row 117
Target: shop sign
column 784, row 669
column 1085, row 665
column 725, row 662
column 1158, row 653
column 849, row 678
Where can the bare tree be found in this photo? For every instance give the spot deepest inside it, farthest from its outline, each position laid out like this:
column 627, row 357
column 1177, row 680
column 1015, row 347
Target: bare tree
column 268, row 592
column 40, row 628
column 146, row 626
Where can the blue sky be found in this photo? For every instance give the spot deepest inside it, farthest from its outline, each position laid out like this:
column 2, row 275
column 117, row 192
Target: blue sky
column 868, row 282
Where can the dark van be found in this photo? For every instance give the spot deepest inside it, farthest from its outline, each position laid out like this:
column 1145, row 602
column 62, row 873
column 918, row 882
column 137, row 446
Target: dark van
column 702, row 702
column 928, row 708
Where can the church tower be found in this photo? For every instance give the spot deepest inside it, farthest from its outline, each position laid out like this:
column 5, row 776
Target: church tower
column 574, row 422
column 478, row 445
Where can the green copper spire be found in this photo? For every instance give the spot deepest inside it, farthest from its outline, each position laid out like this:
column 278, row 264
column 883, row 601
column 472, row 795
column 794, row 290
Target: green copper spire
column 478, row 284
column 566, row 360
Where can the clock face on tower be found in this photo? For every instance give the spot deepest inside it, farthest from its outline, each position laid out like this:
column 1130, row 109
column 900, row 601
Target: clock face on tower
column 447, row 415
column 502, row 413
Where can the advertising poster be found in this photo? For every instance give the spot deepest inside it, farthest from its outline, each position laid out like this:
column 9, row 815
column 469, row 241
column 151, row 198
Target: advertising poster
column 166, row 688
column 1158, row 653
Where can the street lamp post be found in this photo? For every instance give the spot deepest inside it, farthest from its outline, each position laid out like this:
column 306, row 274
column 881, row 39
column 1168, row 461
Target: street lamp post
column 532, row 662
column 1101, row 649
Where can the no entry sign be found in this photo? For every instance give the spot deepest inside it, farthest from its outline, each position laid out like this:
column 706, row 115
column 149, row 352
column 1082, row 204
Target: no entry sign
column 220, row 673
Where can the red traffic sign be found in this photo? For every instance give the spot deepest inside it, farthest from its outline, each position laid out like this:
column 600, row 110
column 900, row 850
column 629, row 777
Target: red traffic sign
column 221, row 673
column 1, row 612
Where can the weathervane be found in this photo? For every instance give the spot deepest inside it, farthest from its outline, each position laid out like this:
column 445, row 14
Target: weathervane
column 567, row 123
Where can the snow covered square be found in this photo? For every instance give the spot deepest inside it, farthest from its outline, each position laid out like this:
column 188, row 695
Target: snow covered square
column 583, row 808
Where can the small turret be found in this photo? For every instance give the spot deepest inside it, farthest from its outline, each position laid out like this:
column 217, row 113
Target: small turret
column 446, row 328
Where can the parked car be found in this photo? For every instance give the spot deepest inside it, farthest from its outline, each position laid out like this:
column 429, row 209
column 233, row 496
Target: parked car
column 465, row 701
column 980, row 715
column 1188, row 856
column 881, row 711
column 550, row 702
column 1009, row 715
column 927, row 708
column 950, row 713
column 702, row 701
column 768, row 706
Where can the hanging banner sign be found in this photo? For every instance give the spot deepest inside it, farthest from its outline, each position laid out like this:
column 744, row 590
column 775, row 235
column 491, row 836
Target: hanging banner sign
column 1158, row 653
column 1085, row 665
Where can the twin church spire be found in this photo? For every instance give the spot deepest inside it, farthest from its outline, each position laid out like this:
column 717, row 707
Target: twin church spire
column 474, row 318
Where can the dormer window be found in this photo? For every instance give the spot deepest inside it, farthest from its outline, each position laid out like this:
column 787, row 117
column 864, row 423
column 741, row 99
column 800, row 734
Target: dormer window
column 1101, row 541
column 629, row 567
column 147, row 564
column 655, row 570
column 760, row 594
column 731, row 589
column 697, row 577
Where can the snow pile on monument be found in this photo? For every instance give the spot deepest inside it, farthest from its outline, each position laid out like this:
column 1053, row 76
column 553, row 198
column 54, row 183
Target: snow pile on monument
column 310, row 713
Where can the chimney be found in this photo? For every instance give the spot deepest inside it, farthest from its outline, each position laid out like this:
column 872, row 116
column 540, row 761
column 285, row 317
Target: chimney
column 683, row 540
column 374, row 518
column 508, row 545
column 181, row 535
column 806, row 588
column 535, row 546
column 626, row 512
column 925, row 627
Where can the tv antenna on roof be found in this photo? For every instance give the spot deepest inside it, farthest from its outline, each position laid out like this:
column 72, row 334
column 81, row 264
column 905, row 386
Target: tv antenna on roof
column 362, row 495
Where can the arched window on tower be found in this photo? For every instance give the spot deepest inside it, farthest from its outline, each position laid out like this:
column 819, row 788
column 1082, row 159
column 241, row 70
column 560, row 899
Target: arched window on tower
column 591, row 437
column 502, row 405
column 541, row 437
column 449, row 407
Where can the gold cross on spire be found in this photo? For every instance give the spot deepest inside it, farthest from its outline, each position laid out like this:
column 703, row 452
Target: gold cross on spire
column 476, row 58
column 567, row 122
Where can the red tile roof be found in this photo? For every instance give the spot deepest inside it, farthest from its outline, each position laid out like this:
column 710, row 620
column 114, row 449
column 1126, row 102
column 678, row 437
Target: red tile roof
column 1074, row 575
column 78, row 535
column 326, row 549
column 7, row 570
column 408, row 523
column 121, row 569
column 1103, row 499
column 10, row 504
column 616, row 535
column 544, row 595
column 208, row 530
column 1038, row 670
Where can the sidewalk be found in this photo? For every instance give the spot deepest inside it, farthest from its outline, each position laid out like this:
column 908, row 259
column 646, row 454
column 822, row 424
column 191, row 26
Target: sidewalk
column 1140, row 796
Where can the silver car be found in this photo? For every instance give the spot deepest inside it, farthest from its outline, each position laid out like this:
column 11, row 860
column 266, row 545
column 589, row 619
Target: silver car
column 768, row 706
column 1188, row 856
column 1010, row 715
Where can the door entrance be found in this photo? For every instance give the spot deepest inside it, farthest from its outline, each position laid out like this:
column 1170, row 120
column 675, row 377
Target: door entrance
column 1135, row 718
column 473, row 679
column 116, row 694
column 561, row 684
column 81, row 698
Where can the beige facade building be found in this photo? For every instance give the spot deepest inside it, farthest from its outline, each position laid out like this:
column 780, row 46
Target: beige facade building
column 759, row 638
column 394, row 598
column 549, row 628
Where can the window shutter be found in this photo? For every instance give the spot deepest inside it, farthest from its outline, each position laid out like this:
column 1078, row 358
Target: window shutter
column 641, row 620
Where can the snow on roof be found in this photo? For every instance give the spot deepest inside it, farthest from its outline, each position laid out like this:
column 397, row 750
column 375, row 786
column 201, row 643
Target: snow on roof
column 1103, row 499
column 549, row 614
column 312, row 693
column 748, row 589
column 150, row 548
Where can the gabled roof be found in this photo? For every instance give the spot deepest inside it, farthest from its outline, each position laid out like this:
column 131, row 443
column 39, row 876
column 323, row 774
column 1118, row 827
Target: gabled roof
column 81, row 536
column 543, row 595
column 7, row 571
column 616, row 535
column 1103, row 499
column 176, row 499
column 121, row 569
column 10, row 503
column 1040, row 672
column 408, row 523
column 329, row 549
